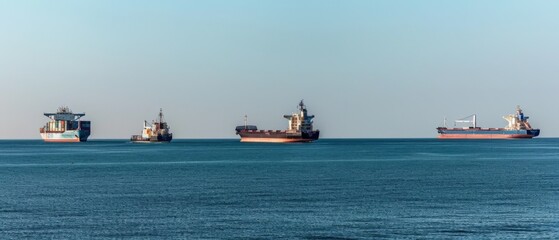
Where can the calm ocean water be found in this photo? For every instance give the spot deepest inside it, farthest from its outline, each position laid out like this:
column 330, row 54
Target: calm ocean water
column 330, row 189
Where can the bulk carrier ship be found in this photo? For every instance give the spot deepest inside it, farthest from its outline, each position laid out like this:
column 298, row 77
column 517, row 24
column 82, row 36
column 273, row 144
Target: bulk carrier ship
column 518, row 127
column 65, row 126
column 157, row 131
column 300, row 129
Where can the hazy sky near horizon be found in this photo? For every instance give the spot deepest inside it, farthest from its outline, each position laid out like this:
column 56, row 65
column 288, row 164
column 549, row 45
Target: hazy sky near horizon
column 365, row 68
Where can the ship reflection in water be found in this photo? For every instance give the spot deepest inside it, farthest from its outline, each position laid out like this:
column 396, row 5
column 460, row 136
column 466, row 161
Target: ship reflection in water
column 300, row 129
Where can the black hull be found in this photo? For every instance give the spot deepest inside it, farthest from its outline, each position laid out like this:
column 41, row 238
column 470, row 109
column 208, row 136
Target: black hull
column 278, row 136
column 159, row 138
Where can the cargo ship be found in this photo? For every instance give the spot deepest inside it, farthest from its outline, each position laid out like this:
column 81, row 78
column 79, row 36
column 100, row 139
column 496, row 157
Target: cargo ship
column 65, row 126
column 518, row 127
column 157, row 131
column 300, row 129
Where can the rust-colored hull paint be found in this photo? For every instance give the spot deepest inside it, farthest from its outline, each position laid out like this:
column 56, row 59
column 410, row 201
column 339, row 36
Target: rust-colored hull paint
column 483, row 136
column 274, row 140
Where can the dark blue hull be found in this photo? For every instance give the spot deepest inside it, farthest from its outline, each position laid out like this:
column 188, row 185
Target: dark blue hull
column 486, row 133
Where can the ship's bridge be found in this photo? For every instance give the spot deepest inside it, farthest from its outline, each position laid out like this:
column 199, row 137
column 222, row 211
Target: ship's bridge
column 64, row 114
column 517, row 121
column 300, row 121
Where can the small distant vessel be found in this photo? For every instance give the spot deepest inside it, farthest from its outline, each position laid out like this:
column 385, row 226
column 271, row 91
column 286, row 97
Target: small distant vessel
column 300, row 129
column 65, row 126
column 518, row 127
column 157, row 131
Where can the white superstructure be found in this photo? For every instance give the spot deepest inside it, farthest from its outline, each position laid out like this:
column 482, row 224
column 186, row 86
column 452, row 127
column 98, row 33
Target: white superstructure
column 301, row 121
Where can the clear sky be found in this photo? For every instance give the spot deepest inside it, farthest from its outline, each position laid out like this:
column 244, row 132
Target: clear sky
column 365, row 68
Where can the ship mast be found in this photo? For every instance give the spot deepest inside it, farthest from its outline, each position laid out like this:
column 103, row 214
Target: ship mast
column 474, row 120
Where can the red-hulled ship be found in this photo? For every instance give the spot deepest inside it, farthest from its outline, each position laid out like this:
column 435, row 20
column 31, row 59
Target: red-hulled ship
column 300, row 130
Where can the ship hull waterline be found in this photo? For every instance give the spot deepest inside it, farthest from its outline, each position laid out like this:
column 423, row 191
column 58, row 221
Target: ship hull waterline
column 63, row 140
column 148, row 141
column 66, row 137
column 479, row 133
column 278, row 137
column 275, row 140
column 155, row 139
column 485, row 136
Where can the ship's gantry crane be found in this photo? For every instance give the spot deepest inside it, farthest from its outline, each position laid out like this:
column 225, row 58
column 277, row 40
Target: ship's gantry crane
column 469, row 119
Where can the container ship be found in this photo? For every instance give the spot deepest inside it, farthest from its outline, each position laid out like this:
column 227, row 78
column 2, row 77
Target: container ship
column 65, row 126
column 300, row 129
column 518, row 127
column 157, row 131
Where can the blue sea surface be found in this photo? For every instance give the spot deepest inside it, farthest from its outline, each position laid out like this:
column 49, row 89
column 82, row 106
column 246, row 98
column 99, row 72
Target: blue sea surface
column 330, row 189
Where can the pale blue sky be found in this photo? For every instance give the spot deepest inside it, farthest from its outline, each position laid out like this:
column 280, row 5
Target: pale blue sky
column 365, row 68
